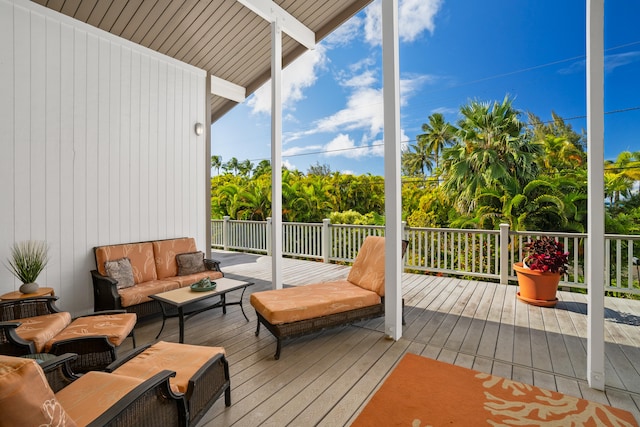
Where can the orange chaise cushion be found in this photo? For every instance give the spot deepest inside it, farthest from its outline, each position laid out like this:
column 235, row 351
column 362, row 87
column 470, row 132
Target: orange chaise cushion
column 140, row 255
column 165, row 254
column 41, row 329
column 307, row 302
column 368, row 268
column 184, row 359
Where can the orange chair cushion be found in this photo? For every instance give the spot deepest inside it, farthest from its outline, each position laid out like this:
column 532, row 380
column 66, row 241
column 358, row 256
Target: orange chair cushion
column 368, row 268
column 41, row 329
column 25, row 396
column 307, row 302
column 184, row 359
column 115, row 326
column 140, row 255
column 92, row 394
column 165, row 254
column 140, row 293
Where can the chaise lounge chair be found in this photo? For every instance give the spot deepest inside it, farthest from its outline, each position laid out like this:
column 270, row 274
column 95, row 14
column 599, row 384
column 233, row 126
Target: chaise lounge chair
column 302, row 310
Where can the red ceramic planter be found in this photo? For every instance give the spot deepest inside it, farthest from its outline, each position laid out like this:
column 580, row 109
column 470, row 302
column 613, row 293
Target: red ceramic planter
column 536, row 287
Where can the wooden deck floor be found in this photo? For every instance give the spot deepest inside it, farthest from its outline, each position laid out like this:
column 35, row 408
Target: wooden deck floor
column 325, row 379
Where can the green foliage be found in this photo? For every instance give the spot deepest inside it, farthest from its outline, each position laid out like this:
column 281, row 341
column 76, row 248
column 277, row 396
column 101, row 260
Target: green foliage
column 28, row 259
column 490, row 169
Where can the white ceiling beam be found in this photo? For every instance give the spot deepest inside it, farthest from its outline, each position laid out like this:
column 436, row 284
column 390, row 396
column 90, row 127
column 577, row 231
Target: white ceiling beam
column 271, row 12
column 228, row 90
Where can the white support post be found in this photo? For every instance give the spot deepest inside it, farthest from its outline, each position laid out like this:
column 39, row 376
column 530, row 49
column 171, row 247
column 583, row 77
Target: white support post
column 326, row 240
column 504, row 254
column 276, row 155
column 392, row 191
column 595, row 204
column 225, row 232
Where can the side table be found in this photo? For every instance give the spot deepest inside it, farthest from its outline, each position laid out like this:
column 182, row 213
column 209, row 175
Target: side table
column 42, row 291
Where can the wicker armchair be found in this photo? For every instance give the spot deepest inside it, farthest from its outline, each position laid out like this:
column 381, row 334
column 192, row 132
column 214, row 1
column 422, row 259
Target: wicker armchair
column 202, row 372
column 94, row 352
column 10, row 342
column 66, row 397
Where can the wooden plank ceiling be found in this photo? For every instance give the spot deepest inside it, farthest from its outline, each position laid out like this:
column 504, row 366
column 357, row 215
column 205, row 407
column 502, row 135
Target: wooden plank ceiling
column 221, row 36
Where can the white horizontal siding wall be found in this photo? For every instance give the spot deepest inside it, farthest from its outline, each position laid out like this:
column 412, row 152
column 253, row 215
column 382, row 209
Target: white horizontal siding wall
column 97, row 145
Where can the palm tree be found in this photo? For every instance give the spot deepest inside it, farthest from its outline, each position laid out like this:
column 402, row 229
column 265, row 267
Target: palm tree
column 216, row 163
column 491, row 151
column 231, row 165
column 620, row 176
column 419, row 160
column 245, row 167
column 264, row 167
column 438, row 134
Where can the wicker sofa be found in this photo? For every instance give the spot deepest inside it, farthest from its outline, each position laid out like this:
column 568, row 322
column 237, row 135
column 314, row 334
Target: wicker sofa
column 302, row 310
column 49, row 394
column 155, row 267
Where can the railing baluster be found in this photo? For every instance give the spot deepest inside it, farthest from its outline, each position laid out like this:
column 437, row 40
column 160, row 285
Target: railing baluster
column 435, row 250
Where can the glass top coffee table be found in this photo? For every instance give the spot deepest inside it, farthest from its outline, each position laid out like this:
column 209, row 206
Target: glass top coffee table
column 184, row 303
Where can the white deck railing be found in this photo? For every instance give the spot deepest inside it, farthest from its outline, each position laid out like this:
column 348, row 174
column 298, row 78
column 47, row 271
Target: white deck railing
column 446, row 251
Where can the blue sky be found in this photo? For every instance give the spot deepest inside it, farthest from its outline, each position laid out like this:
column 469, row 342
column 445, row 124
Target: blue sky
column 451, row 51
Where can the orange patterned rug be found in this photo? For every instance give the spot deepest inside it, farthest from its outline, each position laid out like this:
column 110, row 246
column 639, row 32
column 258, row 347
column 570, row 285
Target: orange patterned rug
column 422, row 392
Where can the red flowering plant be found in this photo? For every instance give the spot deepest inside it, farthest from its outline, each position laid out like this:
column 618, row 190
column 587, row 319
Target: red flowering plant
column 547, row 255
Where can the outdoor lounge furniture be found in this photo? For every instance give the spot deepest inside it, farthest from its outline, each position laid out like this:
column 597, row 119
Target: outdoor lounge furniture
column 138, row 270
column 36, row 325
column 33, row 394
column 202, row 372
column 301, row 310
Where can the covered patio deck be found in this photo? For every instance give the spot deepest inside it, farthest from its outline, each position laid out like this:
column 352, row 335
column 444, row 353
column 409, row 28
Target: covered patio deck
column 327, row 378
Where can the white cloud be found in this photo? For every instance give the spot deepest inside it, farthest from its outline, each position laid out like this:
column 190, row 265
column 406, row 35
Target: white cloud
column 364, row 108
column 342, row 145
column 295, row 151
column 414, row 17
column 365, row 79
column 288, row 165
column 299, row 75
column 344, row 34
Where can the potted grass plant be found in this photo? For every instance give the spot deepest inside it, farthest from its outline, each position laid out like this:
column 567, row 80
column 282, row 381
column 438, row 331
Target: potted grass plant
column 27, row 260
column 539, row 272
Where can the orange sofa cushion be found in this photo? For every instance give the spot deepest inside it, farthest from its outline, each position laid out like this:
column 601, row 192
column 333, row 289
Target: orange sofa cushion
column 140, row 255
column 92, row 394
column 140, row 293
column 368, row 268
column 184, row 359
column 190, row 279
column 115, row 326
column 41, row 329
column 25, row 396
column 307, row 302
column 165, row 254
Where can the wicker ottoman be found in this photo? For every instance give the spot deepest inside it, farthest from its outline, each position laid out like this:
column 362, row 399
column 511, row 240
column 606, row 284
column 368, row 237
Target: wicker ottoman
column 202, row 373
column 94, row 338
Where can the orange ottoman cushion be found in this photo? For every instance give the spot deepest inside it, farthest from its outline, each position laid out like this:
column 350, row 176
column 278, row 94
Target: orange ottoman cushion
column 184, row 359
column 25, row 396
column 307, row 302
column 41, row 329
column 115, row 326
column 92, row 394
